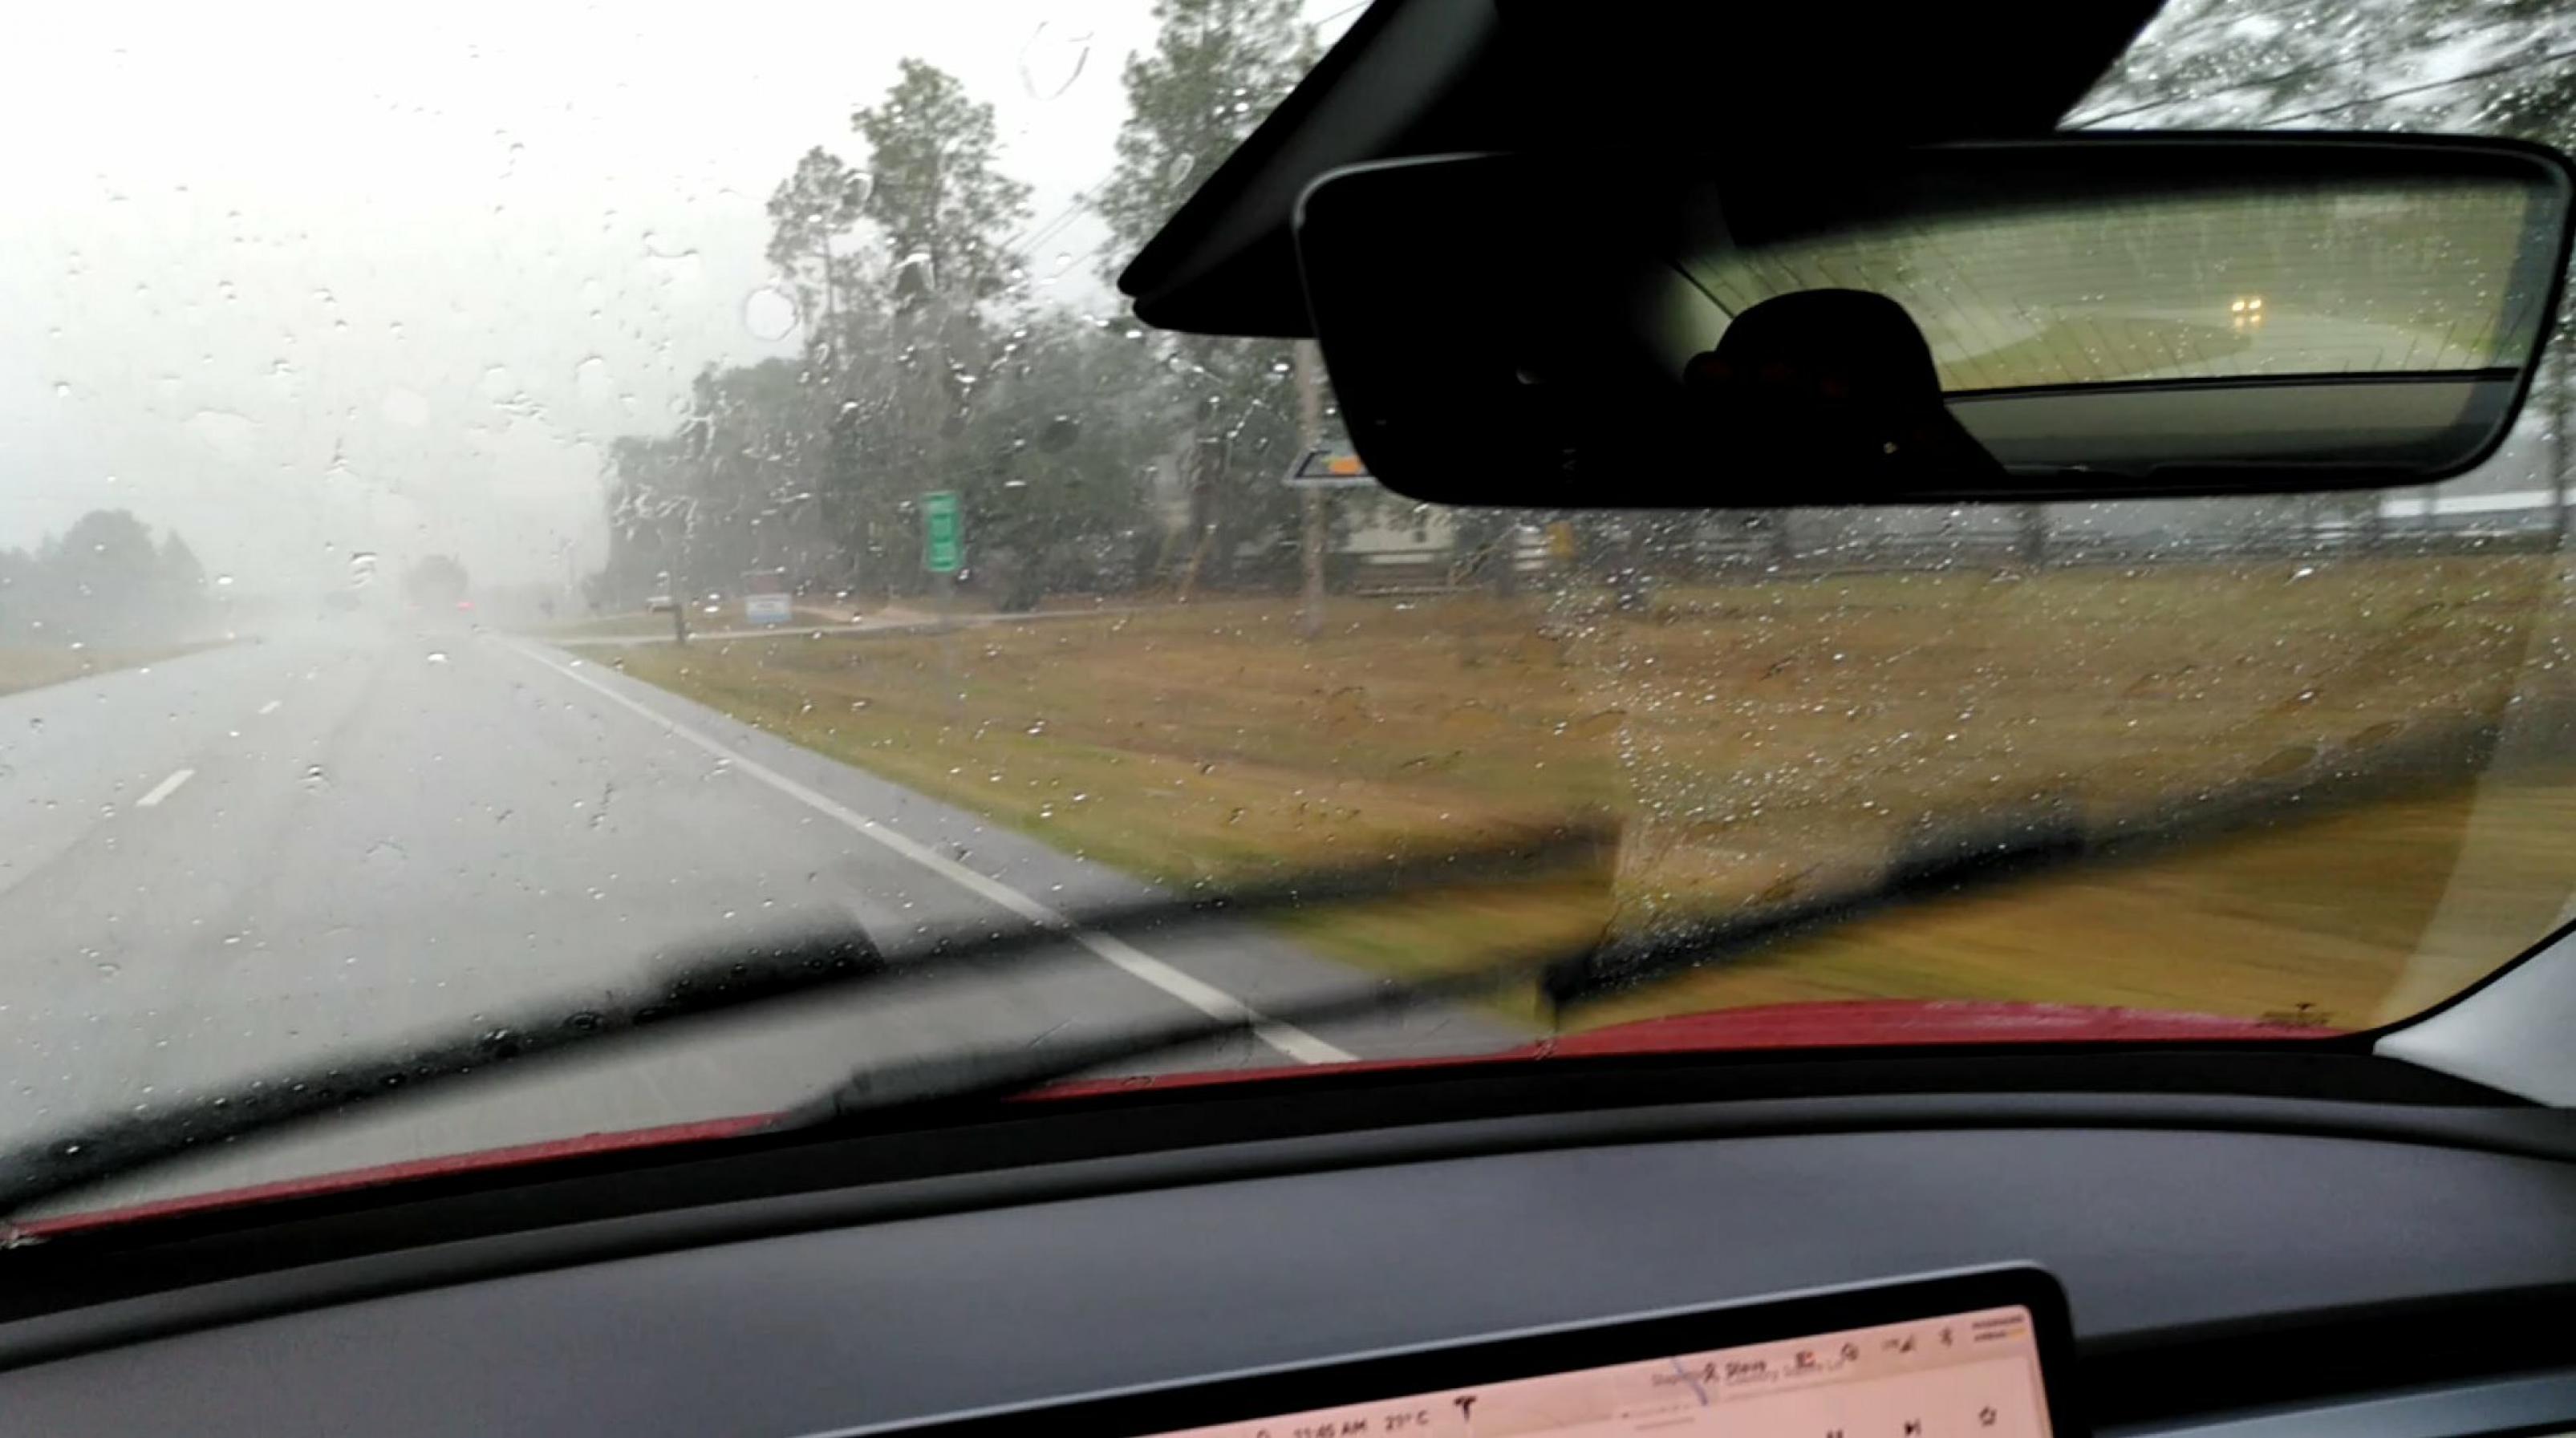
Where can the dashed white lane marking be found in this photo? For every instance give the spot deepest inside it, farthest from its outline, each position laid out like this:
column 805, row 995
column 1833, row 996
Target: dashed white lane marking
column 1205, row 997
column 268, row 708
column 165, row 788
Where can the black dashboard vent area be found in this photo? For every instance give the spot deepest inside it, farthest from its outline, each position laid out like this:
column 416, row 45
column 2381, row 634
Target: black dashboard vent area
column 2175, row 1374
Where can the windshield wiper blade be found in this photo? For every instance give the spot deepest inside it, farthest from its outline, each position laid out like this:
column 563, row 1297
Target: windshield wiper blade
column 33, row 1172
column 729, row 984
column 1565, row 982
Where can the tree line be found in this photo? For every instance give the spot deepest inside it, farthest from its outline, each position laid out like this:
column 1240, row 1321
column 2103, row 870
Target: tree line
column 105, row 580
column 1091, row 455
column 930, row 363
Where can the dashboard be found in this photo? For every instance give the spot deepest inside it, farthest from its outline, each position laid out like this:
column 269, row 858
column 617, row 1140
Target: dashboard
column 2235, row 1267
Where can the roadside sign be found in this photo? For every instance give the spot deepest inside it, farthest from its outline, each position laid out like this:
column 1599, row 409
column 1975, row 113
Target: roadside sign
column 766, row 596
column 943, row 537
column 1335, row 466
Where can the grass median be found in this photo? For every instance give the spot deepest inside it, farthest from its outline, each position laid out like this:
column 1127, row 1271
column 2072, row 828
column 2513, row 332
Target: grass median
column 1781, row 737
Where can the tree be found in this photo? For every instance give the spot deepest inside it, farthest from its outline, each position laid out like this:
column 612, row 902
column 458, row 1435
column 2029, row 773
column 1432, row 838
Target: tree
column 1217, row 69
column 647, row 514
column 944, row 209
column 1064, row 442
column 904, row 369
column 104, row 580
column 107, row 552
column 181, row 580
column 816, row 205
column 761, row 448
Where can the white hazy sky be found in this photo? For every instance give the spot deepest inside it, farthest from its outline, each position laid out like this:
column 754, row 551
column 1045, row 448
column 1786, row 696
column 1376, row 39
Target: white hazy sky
column 300, row 279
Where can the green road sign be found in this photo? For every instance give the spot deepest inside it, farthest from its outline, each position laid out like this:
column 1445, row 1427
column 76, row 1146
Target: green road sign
column 942, row 532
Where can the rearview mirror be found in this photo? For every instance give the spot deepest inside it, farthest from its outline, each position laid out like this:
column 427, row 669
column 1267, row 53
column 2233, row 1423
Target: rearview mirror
column 2084, row 317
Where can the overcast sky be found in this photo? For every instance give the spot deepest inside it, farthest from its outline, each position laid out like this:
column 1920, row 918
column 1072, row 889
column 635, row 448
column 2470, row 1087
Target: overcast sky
column 300, row 279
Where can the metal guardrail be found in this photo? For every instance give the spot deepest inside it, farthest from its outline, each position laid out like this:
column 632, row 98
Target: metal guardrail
column 1440, row 569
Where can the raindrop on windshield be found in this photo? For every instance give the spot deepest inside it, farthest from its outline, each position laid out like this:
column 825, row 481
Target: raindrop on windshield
column 769, row 314
column 1052, row 60
column 592, row 381
column 438, row 656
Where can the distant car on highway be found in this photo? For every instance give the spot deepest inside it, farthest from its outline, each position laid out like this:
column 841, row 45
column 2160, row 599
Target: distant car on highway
column 658, row 604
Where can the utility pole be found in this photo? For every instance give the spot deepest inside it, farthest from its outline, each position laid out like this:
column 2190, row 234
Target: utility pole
column 2556, row 373
column 2034, row 535
column 1318, row 523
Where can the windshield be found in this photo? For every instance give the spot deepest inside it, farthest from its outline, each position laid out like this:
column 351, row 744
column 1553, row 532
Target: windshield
column 497, row 499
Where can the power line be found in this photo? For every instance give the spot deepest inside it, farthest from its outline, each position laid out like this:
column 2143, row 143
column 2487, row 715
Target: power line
column 2488, row 73
column 2257, row 83
column 2217, row 12
column 1038, row 234
column 1050, row 233
column 2284, row 77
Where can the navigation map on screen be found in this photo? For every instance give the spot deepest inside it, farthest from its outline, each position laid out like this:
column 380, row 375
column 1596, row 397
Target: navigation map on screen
column 1965, row 1375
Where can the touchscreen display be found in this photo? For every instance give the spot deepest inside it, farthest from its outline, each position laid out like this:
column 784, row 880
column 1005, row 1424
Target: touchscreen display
column 1966, row 1375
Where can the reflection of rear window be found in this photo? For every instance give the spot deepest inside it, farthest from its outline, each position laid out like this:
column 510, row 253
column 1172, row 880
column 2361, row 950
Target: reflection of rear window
column 2403, row 280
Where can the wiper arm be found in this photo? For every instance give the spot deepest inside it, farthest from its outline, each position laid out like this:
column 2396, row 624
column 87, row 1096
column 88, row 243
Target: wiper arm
column 729, row 984
column 1001, row 1072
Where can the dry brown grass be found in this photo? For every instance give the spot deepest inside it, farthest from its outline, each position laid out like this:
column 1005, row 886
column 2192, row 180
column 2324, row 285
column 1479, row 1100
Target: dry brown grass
column 1770, row 740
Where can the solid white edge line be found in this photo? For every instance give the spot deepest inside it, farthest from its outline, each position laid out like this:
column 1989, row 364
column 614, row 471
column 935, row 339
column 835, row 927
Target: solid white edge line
column 1205, row 997
column 165, row 788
